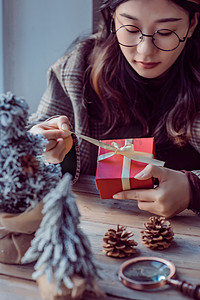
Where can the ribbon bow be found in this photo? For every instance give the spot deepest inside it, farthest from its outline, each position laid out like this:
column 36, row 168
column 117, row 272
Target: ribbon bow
column 127, row 150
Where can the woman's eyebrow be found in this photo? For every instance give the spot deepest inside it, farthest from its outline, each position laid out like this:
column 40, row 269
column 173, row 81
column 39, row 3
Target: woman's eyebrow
column 168, row 20
column 163, row 20
column 128, row 16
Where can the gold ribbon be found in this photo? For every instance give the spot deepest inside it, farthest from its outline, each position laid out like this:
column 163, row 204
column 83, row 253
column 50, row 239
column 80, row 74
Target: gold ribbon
column 126, row 168
column 127, row 150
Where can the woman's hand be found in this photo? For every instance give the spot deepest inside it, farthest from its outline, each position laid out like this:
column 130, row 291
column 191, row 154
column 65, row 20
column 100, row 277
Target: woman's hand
column 59, row 139
column 168, row 199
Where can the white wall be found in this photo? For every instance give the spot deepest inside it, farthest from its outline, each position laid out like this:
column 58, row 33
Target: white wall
column 36, row 34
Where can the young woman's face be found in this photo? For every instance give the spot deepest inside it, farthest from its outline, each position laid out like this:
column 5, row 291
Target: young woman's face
column 150, row 16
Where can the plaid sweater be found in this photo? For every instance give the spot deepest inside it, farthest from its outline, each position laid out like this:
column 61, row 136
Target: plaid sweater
column 64, row 96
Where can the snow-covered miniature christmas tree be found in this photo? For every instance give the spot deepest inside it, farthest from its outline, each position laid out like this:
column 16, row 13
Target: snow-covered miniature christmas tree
column 60, row 247
column 25, row 177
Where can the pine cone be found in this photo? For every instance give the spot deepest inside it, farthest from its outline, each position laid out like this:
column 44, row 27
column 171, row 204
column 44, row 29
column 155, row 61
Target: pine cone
column 117, row 243
column 158, row 233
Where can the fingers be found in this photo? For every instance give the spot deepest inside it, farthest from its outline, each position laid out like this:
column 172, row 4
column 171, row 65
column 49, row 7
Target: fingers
column 56, row 131
column 63, row 123
column 57, row 153
column 150, row 171
column 140, row 195
column 151, row 200
column 51, row 144
column 147, row 199
column 53, row 129
column 144, row 194
column 54, row 134
column 59, row 149
column 168, row 199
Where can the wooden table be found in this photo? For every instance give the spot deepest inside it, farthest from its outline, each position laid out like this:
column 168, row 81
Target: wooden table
column 97, row 216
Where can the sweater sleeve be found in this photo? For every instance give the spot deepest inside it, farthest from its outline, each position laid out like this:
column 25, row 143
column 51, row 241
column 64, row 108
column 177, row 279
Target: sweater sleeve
column 71, row 162
column 195, row 139
column 194, row 182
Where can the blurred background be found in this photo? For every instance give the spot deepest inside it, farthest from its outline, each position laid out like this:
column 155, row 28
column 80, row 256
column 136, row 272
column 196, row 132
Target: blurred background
column 33, row 35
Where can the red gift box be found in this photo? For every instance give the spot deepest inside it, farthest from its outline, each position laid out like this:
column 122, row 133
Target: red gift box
column 110, row 171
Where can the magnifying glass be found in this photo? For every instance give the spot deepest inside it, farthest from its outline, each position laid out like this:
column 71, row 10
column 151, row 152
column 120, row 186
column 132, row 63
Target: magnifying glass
column 145, row 273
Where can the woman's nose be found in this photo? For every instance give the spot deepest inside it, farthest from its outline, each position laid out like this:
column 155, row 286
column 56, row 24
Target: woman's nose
column 146, row 46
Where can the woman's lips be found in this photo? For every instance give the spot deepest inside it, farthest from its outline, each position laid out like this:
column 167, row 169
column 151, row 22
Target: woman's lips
column 146, row 65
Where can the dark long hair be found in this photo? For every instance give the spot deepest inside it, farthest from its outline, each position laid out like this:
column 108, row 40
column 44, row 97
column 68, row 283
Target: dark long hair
column 109, row 72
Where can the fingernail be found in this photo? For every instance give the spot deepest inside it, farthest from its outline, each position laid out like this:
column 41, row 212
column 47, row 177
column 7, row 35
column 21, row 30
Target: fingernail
column 64, row 127
column 116, row 196
column 139, row 175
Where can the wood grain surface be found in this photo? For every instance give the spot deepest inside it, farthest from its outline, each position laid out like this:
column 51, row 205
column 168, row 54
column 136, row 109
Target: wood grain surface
column 97, row 216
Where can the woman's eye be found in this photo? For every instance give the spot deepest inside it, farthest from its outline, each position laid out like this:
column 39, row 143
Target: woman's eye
column 165, row 32
column 131, row 29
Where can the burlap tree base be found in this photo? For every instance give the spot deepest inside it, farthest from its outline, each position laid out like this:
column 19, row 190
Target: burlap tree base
column 49, row 291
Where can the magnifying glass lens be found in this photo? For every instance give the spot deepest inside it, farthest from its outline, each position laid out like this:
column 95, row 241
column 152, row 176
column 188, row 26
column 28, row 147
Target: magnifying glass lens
column 147, row 271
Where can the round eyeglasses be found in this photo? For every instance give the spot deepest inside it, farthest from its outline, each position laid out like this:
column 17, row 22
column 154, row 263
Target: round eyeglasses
column 163, row 39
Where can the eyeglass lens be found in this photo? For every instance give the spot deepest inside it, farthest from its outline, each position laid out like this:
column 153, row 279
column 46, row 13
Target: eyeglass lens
column 163, row 39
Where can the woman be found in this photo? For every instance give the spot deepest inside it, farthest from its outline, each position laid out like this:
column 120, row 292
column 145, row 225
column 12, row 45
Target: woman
column 139, row 76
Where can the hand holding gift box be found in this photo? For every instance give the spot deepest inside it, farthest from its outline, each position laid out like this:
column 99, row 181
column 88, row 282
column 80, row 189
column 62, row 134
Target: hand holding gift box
column 119, row 161
column 116, row 170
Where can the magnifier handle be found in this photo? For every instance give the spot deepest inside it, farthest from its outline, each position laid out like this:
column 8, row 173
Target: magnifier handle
column 186, row 288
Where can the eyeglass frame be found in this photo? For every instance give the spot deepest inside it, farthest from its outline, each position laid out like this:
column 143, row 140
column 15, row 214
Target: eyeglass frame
column 149, row 35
